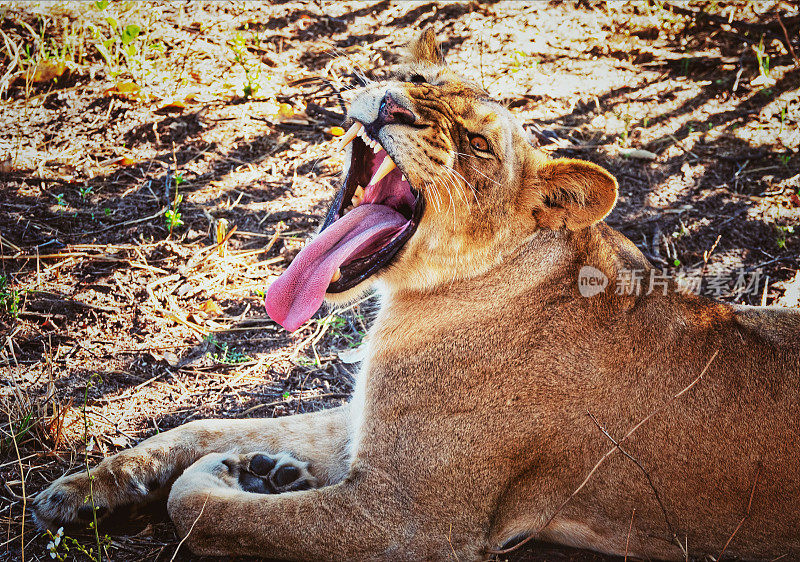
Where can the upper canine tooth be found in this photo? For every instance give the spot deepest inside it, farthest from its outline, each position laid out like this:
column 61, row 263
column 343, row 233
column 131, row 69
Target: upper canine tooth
column 336, row 275
column 386, row 166
column 351, row 133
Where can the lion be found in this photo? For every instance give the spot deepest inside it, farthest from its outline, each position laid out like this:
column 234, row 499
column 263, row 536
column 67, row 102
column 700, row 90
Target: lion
column 499, row 398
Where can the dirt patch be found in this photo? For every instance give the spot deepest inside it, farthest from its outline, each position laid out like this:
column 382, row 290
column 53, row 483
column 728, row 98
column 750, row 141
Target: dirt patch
column 160, row 164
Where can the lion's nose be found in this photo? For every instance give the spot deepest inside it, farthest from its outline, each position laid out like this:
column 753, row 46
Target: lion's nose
column 392, row 112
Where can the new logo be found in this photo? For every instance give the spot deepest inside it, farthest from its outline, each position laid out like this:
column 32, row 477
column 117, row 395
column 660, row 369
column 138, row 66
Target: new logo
column 591, row 281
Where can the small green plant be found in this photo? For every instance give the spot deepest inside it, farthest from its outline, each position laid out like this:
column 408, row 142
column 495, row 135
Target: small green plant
column 285, row 395
column 104, row 542
column 782, row 233
column 338, row 325
column 627, row 120
column 59, row 199
column 251, row 73
column 107, row 212
column 762, row 57
column 62, row 547
column 9, row 298
column 19, row 429
column 685, row 66
column 681, row 231
column 520, row 59
column 85, row 191
column 676, row 262
column 225, row 353
column 179, row 179
column 785, row 158
column 171, row 216
column 261, row 293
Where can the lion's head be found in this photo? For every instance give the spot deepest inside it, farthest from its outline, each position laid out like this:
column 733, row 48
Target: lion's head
column 441, row 184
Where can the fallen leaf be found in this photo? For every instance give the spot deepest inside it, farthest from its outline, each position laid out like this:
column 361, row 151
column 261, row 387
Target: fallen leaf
column 120, row 441
column 48, row 70
column 285, row 111
column 171, row 358
column 211, row 308
column 354, row 355
column 175, row 106
column 167, row 356
column 764, row 81
column 638, row 153
column 125, row 90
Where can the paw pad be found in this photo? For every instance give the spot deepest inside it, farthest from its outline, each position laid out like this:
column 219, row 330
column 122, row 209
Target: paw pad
column 261, row 465
column 271, row 474
column 285, row 475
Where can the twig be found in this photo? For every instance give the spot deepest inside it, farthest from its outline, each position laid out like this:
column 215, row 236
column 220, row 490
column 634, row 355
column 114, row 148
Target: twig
column 646, row 475
column 604, row 457
column 628, row 540
column 786, row 36
column 7, row 242
column 128, row 223
column 174, row 554
column 22, row 479
column 746, row 514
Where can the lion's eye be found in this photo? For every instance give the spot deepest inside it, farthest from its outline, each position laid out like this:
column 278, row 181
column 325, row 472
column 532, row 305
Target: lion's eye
column 479, row 143
column 417, row 79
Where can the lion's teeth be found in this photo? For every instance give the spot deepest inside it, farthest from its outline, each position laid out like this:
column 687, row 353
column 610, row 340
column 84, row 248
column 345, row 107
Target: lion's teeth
column 359, row 192
column 386, row 166
column 336, row 275
column 351, row 133
column 377, row 148
column 356, row 200
column 403, row 178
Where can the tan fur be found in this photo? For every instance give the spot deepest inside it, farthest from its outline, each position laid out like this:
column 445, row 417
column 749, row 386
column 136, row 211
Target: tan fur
column 469, row 424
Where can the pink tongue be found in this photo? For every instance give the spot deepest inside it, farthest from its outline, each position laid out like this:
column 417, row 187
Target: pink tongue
column 298, row 293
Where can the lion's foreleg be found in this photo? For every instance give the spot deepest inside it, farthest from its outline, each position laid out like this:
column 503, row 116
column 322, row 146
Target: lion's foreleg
column 318, row 441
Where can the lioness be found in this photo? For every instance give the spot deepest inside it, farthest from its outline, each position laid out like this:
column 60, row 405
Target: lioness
column 469, row 425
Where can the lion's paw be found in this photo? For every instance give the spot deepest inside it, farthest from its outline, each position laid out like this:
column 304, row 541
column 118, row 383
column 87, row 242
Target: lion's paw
column 71, row 499
column 263, row 473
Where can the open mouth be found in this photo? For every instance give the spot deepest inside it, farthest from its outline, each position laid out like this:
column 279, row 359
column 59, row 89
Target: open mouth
column 372, row 217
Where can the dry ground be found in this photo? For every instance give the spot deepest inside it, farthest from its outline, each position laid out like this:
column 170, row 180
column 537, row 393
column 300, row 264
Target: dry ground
column 114, row 327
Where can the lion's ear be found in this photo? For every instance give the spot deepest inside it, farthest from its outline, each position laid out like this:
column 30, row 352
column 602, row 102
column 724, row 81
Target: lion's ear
column 571, row 194
column 425, row 49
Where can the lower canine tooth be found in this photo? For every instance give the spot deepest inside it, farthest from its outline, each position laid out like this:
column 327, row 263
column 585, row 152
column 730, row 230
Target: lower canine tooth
column 386, row 166
column 403, row 178
column 359, row 192
column 351, row 133
column 356, row 200
column 377, row 148
column 336, row 275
